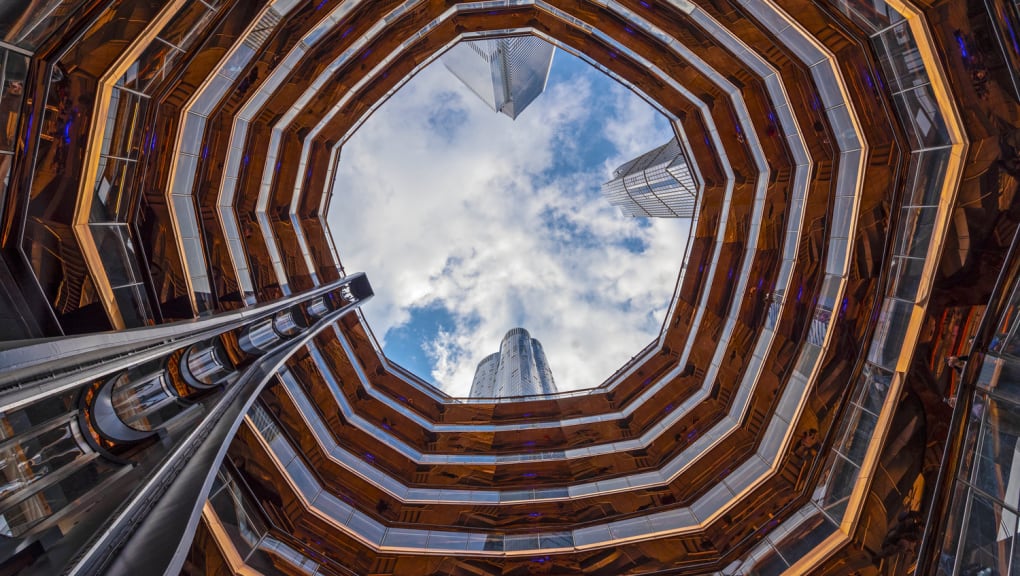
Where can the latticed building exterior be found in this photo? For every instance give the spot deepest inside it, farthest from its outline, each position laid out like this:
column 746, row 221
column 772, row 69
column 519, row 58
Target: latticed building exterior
column 188, row 385
column 520, row 368
column 658, row 183
column 508, row 74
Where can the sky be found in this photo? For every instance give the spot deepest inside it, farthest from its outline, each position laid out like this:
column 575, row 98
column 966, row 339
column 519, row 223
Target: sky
column 468, row 224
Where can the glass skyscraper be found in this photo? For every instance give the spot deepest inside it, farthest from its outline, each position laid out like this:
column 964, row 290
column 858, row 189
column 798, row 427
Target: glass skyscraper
column 508, row 74
column 658, row 183
column 520, row 368
column 188, row 385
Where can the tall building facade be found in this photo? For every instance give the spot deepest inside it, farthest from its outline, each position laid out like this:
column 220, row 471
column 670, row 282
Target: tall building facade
column 520, row 368
column 188, row 385
column 508, row 74
column 658, row 183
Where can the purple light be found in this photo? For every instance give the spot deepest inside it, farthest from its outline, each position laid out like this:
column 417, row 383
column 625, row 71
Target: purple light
column 963, row 45
column 31, row 117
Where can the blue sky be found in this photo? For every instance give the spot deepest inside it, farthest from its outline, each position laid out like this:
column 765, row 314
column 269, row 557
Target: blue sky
column 469, row 223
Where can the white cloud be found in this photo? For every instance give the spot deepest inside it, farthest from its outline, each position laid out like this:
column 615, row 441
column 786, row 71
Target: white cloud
column 443, row 202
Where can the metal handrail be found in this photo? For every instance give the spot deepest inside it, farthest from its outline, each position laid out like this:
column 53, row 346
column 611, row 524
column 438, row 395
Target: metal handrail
column 38, row 368
column 144, row 534
column 952, row 456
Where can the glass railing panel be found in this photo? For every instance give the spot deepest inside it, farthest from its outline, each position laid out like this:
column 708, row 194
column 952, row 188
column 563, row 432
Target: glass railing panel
column 746, row 474
column 770, row 18
column 242, row 523
column 997, row 469
column 185, row 27
column 900, row 58
column 271, row 553
column 951, row 542
column 986, row 537
column 668, row 520
column 303, row 478
column 771, row 443
column 369, row 529
column 450, row 541
column 887, row 342
column 840, row 483
column 915, row 231
column 905, row 277
column 117, row 252
column 630, row 527
column 711, row 502
column 405, row 538
column 925, row 125
column 873, row 15
column 333, row 507
column 790, row 399
column 874, row 388
column 33, row 457
column 21, row 517
column 854, row 441
column 13, row 73
column 556, row 540
column 28, row 23
column 926, row 176
column 272, row 435
column 811, row 532
column 845, row 132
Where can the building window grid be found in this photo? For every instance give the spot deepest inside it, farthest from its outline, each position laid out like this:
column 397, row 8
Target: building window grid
column 658, row 183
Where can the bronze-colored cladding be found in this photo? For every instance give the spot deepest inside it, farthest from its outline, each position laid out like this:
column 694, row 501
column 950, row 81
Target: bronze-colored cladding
column 724, row 536
column 802, row 327
column 154, row 224
column 732, row 251
column 687, row 551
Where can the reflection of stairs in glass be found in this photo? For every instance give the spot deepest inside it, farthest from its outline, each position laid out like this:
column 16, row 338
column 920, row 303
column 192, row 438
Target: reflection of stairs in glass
column 73, row 294
column 263, row 29
column 53, row 11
